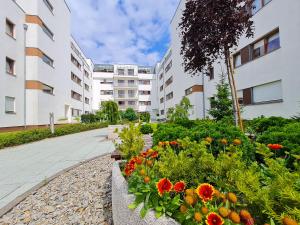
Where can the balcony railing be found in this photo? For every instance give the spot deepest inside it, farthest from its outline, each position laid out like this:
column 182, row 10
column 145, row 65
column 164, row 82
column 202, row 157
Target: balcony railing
column 126, row 96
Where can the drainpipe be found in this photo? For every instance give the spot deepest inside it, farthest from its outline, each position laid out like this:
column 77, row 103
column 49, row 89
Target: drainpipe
column 204, row 105
column 25, row 26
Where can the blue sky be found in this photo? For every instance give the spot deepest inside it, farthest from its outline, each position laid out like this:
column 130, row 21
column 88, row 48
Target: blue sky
column 122, row 31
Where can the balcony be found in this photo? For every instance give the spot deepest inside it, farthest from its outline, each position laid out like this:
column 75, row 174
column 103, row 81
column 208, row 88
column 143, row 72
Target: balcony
column 126, row 85
column 125, row 106
column 126, row 96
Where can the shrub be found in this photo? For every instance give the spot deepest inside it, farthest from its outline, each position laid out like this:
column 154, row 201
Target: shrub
column 22, row 137
column 262, row 124
column 146, row 129
column 110, row 111
column 132, row 141
column 89, row 118
column 130, row 115
column 145, row 117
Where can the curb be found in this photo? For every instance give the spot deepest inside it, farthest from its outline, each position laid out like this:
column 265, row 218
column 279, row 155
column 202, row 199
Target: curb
column 4, row 210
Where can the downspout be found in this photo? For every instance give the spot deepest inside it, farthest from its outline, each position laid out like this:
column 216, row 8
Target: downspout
column 25, row 26
column 204, row 105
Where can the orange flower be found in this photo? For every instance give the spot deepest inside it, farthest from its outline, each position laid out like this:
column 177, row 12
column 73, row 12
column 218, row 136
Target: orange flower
column 205, row 192
column 129, row 168
column 214, row 219
column 161, row 144
column 179, row 186
column 237, row 142
column 139, row 160
column 174, row 143
column 224, row 141
column 164, row 185
column 275, row 146
column 154, row 155
column 209, row 140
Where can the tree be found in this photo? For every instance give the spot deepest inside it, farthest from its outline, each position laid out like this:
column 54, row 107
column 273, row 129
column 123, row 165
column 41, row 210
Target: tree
column 209, row 29
column 181, row 111
column 145, row 117
column 130, row 114
column 221, row 104
column 110, row 111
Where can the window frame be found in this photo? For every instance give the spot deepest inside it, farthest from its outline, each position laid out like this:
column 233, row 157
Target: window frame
column 13, row 72
column 8, row 22
column 49, row 5
column 14, row 105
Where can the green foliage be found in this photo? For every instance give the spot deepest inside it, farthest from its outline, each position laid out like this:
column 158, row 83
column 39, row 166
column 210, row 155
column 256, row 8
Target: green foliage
column 262, row 124
column 180, row 112
column 130, row 115
column 146, row 129
column 132, row 141
column 202, row 129
column 221, row 104
column 23, row 137
column 110, row 111
column 89, row 118
column 144, row 117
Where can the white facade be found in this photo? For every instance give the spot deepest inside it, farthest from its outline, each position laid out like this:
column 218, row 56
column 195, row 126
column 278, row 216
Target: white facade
column 45, row 80
column 267, row 83
column 130, row 86
column 12, row 48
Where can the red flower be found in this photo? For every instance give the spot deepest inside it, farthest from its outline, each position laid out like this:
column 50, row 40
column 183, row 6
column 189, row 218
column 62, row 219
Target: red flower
column 205, row 192
column 275, row 146
column 179, row 186
column 214, row 219
column 249, row 221
column 173, row 143
column 139, row 160
column 129, row 168
column 154, row 155
column 163, row 185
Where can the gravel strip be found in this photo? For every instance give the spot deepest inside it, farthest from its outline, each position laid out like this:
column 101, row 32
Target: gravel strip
column 80, row 196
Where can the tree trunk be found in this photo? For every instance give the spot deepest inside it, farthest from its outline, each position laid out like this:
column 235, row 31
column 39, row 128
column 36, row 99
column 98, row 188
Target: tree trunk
column 236, row 108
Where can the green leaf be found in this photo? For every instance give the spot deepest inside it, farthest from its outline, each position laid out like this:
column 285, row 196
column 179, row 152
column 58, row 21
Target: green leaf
column 133, row 206
column 272, row 222
column 158, row 214
column 143, row 212
column 159, row 208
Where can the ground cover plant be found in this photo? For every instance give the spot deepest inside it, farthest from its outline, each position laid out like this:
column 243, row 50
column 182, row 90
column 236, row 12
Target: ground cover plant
column 211, row 174
column 22, row 137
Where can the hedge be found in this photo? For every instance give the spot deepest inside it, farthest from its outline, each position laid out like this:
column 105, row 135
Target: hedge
column 22, row 137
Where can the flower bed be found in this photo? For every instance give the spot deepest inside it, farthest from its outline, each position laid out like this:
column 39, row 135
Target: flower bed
column 122, row 215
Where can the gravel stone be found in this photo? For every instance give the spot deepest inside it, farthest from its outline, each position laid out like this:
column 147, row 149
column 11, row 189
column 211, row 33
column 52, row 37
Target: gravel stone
column 80, row 196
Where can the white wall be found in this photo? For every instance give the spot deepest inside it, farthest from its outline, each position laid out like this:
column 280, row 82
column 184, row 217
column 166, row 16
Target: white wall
column 12, row 86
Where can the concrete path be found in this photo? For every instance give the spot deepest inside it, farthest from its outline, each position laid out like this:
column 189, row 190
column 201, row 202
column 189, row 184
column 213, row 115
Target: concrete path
column 23, row 167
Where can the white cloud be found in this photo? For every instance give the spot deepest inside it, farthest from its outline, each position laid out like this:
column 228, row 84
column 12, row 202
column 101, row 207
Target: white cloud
column 122, row 31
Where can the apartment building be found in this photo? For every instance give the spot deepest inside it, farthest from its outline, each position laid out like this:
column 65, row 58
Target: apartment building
column 173, row 82
column 130, row 86
column 12, row 60
column 45, row 70
column 265, row 66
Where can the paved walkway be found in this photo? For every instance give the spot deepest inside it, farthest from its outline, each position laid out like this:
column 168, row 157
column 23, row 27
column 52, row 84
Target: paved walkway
column 22, row 167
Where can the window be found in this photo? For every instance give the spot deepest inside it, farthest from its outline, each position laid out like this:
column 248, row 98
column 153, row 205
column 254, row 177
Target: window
column 145, row 92
column 169, row 96
column 162, row 100
column 132, row 103
column 131, row 72
column 273, row 42
column 161, row 76
column 121, row 103
column 86, row 74
column 76, row 96
column 104, row 68
column 87, row 101
column 144, row 82
column 263, row 46
column 76, row 112
column 189, row 91
column 261, row 94
column 10, row 66
column 161, row 88
column 131, row 93
column 107, row 92
column 75, row 62
column 10, row 105
column 47, row 89
column 237, row 60
column 121, row 94
column 144, row 70
column 169, row 66
column 106, row 82
column 258, row 4
column 76, row 79
column 121, row 83
column 47, row 31
column 145, row 103
column 162, row 112
column 169, row 81
column 47, row 60
column 49, row 5
column 86, row 87
column 10, row 28
column 211, row 73
column 121, row 71
column 131, row 83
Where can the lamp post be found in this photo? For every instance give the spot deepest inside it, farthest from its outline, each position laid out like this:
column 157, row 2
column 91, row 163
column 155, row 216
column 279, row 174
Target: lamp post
column 25, row 26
